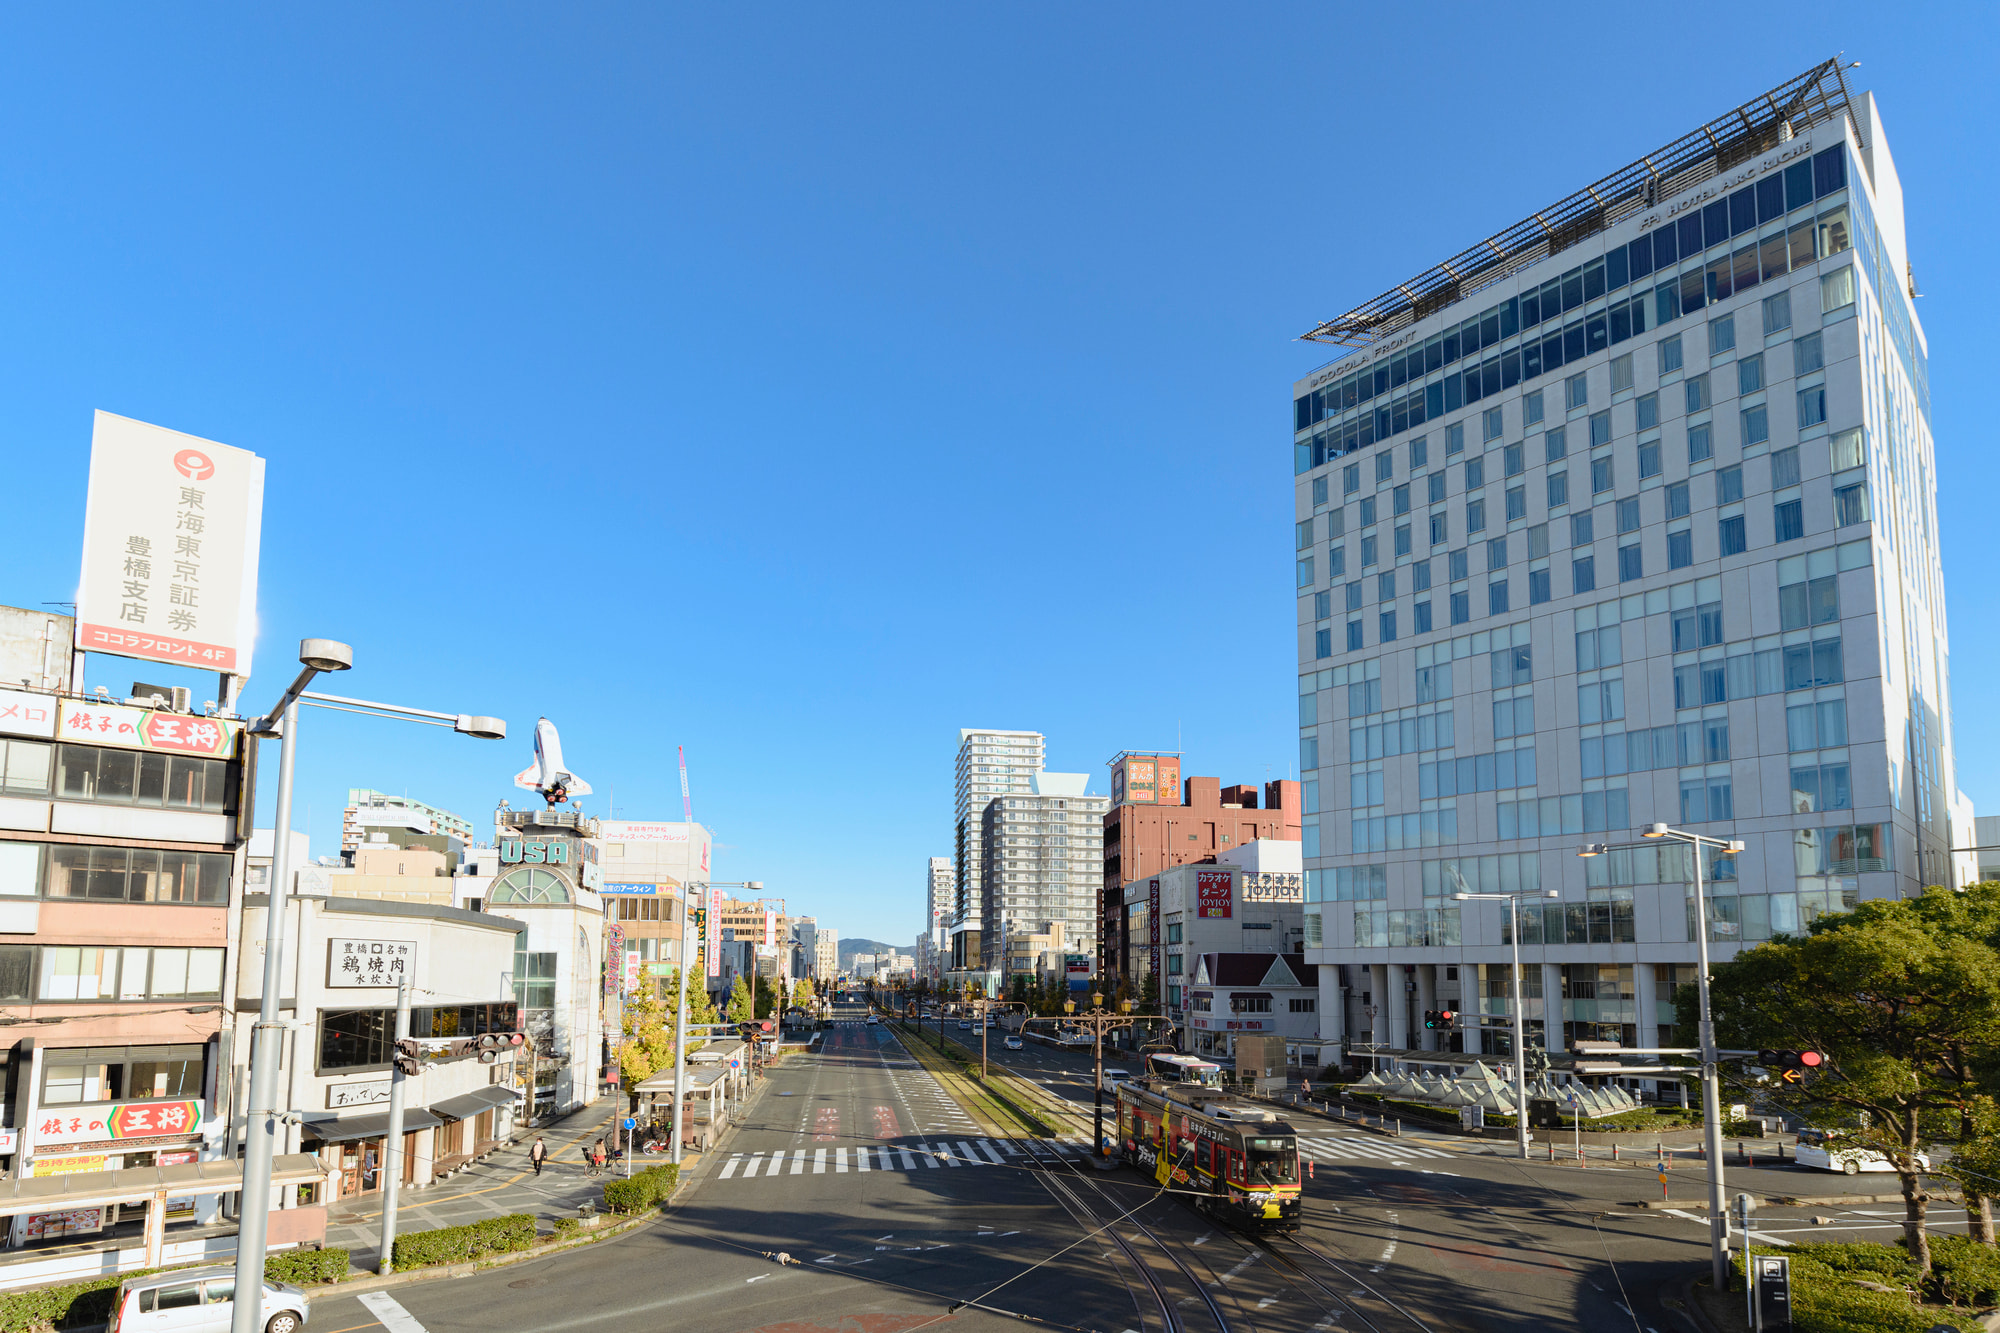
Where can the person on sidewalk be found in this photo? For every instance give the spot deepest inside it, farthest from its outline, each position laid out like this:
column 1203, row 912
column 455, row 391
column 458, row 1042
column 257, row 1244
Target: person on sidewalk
column 538, row 1154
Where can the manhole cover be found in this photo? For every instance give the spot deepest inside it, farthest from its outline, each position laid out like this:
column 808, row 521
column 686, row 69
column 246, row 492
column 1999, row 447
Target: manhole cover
column 528, row 1282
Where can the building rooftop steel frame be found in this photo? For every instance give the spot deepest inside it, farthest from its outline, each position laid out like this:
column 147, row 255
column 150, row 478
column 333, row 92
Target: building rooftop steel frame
column 1809, row 99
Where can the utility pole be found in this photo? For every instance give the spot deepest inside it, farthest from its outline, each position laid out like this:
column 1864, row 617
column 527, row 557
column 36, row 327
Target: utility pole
column 392, row 1145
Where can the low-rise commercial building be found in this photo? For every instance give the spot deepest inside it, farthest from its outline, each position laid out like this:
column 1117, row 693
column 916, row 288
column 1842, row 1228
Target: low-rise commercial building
column 346, row 959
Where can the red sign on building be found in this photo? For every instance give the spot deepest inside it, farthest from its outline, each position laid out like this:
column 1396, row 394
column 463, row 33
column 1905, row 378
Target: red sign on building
column 1213, row 893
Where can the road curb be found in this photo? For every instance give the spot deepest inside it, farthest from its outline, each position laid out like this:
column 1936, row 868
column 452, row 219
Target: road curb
column 382, row 1282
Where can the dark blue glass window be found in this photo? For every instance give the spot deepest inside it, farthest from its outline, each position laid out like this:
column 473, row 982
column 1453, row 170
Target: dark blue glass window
column 1829, row 169
column 1510, row 369
column 1664, row 249
column 1594, row 336
column 1689, row 236
column 1471, row 381
column 1667, row 303
column 1715, row 223
column 1490, row 374
column 1510, row 317
column 1573, row 343
column 1640, row 253
column 1531, row 309
column 1450, row 353
column 1396, row 375
column 1434, row 355
column 1531, row 360
column 1302, row 412
column 1572, row 289
column 1489, row 330
column 1552, row 352
column 1771, row 198
column 1593, row 280
column 1433, row 400
column 1616, row 274
column 1381, row 379
column 1743, row 210
column 1452, row 399
column 1621, row 324
column 1798, row 185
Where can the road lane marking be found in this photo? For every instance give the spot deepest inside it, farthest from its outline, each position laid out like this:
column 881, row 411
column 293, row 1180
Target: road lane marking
column 799, row 1162
column 729, row 1167
column 393, row 1316
column 819, row 1161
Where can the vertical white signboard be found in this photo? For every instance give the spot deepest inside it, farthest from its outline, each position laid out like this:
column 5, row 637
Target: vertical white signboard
column 170, row 537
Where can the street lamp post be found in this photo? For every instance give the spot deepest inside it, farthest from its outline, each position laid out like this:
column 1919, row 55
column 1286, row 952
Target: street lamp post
column 1513, row 901
column 1099, row 1020
column 263, row 1122
column 1711, row 1080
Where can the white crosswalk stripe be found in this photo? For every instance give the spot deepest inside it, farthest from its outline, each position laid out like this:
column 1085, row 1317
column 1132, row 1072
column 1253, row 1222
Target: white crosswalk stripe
column 1356, row 1147
column 929, row 1155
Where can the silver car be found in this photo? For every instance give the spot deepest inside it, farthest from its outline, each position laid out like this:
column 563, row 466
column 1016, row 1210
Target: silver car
column 200, row 1300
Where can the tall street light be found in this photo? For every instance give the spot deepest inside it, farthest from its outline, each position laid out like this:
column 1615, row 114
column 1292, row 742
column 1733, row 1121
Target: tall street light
column 1513, row 901
column 1711, row 1082
column 262, row 1114
column 1099, row 1020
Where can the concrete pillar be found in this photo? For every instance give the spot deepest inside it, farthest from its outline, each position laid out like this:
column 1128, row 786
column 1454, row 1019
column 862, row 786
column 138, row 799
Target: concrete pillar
column 1427, row 1038
column 1332, row 1005
column 1472, row 1003
column 1645, row 993
column 1399, row 1008
column 1378, row 995
column 1552, row 1006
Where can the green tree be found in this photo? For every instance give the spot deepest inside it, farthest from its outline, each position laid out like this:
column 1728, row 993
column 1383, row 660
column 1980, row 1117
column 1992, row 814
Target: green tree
column 649, row 1026
column 1902, row 997
column 1019, row 990
column 766, row 1001
column 802, row 994
column 1149, row 994
column 741, row 1009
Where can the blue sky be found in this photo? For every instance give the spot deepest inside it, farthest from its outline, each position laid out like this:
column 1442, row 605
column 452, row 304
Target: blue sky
column 801, row 384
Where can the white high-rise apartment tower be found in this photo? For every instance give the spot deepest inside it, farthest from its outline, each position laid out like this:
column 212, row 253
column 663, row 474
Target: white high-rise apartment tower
column 1625, row 514
column 940, row 897
column 990, row 764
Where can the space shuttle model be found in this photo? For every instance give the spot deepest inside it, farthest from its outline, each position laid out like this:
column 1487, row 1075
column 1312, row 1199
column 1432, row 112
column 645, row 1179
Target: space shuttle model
column 547, row 774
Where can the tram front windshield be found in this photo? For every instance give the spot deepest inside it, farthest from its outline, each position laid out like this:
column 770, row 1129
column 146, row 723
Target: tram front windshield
column 1272, row 1161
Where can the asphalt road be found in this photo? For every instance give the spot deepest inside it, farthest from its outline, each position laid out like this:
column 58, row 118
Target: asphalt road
column 893, row 1209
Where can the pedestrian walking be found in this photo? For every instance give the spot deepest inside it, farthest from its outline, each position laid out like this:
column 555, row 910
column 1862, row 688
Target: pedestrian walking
column 538, row 1154
column 1305, row 1087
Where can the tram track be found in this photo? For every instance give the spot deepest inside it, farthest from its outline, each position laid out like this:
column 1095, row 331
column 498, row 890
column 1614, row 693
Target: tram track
column 1354, row 1303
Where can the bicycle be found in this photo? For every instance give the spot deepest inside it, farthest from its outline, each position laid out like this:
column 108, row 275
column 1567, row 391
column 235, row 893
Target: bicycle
column 593, row 1166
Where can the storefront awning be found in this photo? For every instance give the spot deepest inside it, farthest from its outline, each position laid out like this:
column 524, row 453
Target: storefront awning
column 472, row 1103
column 348, row 1128
column 94, row 1189
column 698, row 1077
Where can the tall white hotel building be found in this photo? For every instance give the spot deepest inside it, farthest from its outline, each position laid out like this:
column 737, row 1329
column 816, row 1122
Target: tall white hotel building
column 1624, row 514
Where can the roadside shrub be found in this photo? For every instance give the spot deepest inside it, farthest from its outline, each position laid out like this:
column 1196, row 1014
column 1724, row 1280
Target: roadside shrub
column 307, row 1268
column 566, row 1228
column 1963, row 1272
column 71, row 1305
column 1826, row 1297
column 645, row 1189
column 458, row 1245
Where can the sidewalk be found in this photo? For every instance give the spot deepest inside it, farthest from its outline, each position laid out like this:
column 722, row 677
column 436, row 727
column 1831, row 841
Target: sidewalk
column 503, row 1183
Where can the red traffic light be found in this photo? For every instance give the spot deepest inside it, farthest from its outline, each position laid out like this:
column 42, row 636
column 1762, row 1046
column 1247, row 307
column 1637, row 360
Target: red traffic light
column 1811, row 1059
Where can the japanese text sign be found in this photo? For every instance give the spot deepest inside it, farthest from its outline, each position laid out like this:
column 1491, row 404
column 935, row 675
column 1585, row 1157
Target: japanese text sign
column 1214, row 892
column 352, row 963
column 147, row 729
column 171, row 529
column 123, row 1120
column 23, row 714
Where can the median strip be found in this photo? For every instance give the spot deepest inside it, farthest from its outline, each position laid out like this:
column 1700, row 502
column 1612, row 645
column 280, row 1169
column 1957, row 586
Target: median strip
column 990, row 1103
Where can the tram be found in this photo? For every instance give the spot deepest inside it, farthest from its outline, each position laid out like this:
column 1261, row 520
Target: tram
column 1239, row 1160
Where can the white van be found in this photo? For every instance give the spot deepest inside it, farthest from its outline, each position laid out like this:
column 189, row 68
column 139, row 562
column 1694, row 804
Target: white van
column 1812, row 1152
column 200, row 1300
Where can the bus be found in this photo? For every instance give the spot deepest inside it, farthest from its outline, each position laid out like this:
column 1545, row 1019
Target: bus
column 1183, row 1069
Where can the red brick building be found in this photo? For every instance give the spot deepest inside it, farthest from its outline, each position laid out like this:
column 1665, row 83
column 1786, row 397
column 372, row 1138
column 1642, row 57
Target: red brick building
column 1144, row 838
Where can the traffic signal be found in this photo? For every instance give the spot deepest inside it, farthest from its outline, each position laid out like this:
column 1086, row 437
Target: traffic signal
column 1440, row 1018
column 1791, row 1066
column 408, row 1056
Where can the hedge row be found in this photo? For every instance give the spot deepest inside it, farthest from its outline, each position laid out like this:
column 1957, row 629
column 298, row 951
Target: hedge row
column 458, row 1245
column 78, row 1304
column 1827, row 1297
column 646, row 1188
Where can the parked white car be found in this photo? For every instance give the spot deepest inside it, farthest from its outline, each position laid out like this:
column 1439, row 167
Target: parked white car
column 1812, row 1152
column 200, row 1300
